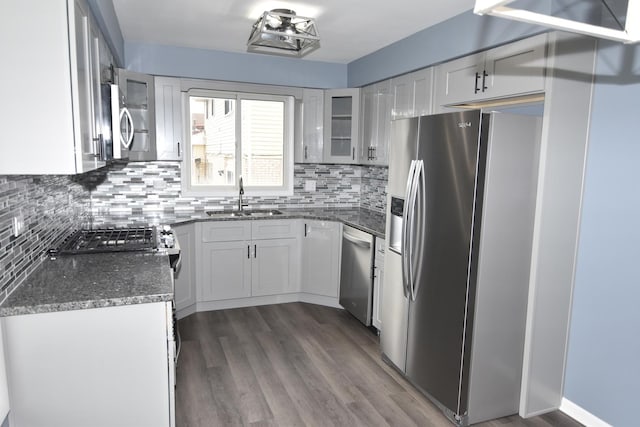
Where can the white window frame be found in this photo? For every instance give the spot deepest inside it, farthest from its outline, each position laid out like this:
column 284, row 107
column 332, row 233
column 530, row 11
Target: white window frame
column 225, row 191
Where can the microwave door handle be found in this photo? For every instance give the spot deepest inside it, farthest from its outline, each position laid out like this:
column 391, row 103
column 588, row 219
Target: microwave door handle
column 126, row 114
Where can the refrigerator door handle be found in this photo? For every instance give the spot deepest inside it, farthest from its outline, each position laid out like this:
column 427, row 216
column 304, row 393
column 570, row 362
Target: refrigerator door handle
column 412, row 228
column 419, row 197
column 404, row 250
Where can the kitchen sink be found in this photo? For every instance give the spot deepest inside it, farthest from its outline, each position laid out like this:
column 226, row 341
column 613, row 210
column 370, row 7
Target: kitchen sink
column 225, row 213
column 262, row 212
column 245, row 213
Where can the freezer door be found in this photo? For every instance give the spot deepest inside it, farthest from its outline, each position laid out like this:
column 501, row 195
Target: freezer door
column 402, row 149
column 439, row 316
column 395, row 309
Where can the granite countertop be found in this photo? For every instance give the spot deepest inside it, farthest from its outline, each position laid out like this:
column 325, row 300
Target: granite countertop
column 364, row 219
column 74, row 282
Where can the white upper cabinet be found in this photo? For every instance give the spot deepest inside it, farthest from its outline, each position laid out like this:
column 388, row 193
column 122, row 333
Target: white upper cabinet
column 514, row 69
column 168, row 106
column 50, row 102
column 341, row 115
column 412, row 94
column 139, row 92
column 311, row 138
column 376, row 105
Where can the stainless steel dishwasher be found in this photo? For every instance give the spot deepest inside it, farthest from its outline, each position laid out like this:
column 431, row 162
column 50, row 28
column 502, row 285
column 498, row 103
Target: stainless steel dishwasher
column 356, row 273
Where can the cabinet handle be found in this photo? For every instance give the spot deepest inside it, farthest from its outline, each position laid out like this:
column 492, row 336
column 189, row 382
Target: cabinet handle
column 255, row 251
column 353, row 153
column 476, row 88
column 248, row 251
column 373, row 153
column 484, row 79
column 305, row 230
column 178, row 149
column 97, row 147
column 305, row 152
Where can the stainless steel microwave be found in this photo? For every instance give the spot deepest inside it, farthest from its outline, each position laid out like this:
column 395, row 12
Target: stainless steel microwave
column 116, row 123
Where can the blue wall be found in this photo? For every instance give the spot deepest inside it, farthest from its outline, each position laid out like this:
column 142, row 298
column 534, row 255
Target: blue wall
column 238, row 67
column 603, row 362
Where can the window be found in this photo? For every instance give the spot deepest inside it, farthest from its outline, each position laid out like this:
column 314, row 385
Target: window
column 235, row 135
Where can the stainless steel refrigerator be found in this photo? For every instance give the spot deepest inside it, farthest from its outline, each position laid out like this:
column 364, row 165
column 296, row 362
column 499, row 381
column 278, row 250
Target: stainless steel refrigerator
column 461, row 202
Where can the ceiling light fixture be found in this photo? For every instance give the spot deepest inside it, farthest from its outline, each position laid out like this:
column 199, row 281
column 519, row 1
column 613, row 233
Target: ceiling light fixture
column 630, row 33
column 282, row 32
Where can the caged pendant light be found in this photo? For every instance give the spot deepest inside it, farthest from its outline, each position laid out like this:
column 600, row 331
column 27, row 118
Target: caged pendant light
column 282, row 32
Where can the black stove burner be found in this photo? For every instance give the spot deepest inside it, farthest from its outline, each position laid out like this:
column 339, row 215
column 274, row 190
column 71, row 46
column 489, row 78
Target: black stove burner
column 109, row 240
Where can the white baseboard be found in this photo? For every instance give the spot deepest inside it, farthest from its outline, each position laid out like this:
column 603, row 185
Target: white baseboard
column 581, row 415
column 264, row 300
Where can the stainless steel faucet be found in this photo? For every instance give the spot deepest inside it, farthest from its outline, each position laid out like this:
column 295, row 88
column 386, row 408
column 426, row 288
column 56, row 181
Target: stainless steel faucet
column 241, row 193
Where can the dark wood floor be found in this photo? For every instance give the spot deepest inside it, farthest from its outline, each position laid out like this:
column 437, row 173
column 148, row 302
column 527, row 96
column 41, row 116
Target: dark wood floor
column 294, row 365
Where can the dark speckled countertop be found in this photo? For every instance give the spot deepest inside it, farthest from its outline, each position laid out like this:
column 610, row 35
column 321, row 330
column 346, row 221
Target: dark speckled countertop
column 101, row 280
column 364, row 219
column 91, row 281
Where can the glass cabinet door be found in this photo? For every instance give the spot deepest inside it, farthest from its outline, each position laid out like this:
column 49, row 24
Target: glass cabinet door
column 341, row 126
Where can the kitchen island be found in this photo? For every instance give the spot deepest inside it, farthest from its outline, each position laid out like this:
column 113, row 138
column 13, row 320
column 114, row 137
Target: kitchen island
column 89, row 341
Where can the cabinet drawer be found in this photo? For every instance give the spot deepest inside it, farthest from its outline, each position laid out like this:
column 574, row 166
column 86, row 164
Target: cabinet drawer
column 274, row 229
column 226, row 231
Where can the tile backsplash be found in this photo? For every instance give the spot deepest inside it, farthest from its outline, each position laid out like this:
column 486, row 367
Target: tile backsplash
column 50, row 206
column 151, row 187
column 53, row 205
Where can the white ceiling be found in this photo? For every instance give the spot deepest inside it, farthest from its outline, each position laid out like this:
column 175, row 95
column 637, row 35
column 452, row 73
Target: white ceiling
column 349, row 29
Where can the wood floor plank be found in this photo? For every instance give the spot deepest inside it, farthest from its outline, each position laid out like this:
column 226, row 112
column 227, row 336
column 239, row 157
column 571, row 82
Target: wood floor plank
column 253, row 405
column 299, row 364
column 306, row 404
column 225, row 396
column 194, row 396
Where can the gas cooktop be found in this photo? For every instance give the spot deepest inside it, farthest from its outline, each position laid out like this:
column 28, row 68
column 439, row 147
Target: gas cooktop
column 109, row 240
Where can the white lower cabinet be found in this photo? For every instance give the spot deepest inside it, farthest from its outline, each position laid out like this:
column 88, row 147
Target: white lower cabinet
column 225, row 269
column 321, row 242
column 231, row 265
column 275, row 267
column 378, row 284
column 99, row 367
column 185, row 283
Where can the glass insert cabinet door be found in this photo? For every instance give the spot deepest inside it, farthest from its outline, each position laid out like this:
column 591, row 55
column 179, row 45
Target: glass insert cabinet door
column 341, row 125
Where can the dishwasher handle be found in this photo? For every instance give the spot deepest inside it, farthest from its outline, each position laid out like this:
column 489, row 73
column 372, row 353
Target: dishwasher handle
column 356, row 241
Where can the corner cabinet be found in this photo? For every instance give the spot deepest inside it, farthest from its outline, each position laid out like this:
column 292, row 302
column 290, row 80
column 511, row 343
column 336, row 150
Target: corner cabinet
column 375, row 123
column 168, row 109
column 51, row 101
column 310, row 142
column 514, row 69
column 341, row 118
